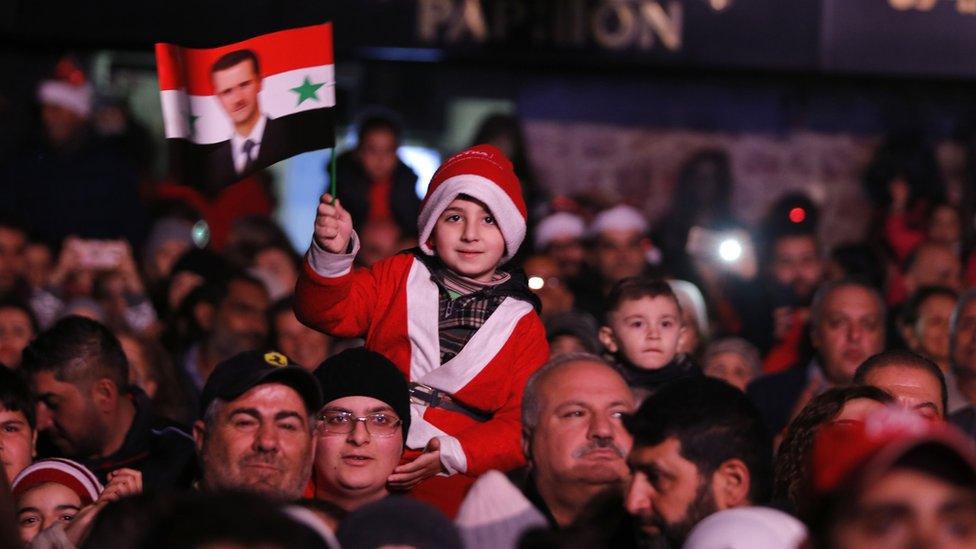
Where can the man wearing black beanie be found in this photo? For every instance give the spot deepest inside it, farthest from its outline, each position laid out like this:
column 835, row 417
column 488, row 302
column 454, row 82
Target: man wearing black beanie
column 362, row 428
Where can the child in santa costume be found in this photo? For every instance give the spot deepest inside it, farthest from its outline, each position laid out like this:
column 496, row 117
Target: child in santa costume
column 466, row 334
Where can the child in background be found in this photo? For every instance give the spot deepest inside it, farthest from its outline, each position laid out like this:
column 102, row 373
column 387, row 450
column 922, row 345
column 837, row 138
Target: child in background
column 60, row 493
column 465, row 333
column 643, row 330
column 18, row 429
column 50, row 492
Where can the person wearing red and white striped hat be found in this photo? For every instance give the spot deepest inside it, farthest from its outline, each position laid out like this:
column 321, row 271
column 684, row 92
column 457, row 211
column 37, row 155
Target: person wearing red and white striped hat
column 52, row 491
column 57, row 499
column 465, row 333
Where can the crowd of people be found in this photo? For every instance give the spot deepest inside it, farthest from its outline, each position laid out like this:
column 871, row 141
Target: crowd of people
column 486, row 367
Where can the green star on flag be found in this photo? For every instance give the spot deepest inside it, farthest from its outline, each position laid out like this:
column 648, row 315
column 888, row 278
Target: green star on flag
column 192, row 119
column 307, row 91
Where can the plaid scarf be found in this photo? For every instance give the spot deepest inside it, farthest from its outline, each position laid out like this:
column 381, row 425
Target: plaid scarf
column 464, row 305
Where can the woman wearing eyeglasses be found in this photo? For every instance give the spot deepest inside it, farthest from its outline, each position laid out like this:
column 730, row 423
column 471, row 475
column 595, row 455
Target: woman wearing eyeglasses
column 360, row 432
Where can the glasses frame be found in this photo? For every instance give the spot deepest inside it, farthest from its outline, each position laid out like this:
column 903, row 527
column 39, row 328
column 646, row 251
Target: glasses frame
column 322, row 429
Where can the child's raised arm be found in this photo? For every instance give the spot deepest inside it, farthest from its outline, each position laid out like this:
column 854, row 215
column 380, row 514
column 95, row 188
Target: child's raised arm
column 330, row 296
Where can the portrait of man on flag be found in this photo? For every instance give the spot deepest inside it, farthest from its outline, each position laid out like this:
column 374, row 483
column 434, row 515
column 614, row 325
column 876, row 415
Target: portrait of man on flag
column 236, row 78
column 232, row 110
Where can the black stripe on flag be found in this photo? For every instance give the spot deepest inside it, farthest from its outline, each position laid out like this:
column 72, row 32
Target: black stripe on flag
column 210, row 168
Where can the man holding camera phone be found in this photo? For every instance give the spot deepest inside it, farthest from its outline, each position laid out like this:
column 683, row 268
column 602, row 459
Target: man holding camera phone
column 776, row 309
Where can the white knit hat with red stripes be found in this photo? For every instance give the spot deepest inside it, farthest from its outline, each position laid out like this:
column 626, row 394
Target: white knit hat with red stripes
column 485, row 173
column 71, row 474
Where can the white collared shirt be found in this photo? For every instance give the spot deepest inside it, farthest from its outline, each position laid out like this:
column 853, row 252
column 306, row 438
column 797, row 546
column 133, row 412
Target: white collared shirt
column 237, row 144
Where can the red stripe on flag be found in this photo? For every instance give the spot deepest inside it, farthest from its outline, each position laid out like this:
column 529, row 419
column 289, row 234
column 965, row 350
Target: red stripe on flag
column 277, row 52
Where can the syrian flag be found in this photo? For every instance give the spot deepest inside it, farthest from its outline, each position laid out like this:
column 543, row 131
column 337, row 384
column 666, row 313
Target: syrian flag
column 232, row 110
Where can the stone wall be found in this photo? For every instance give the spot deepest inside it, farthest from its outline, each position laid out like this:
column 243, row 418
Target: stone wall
column 640, row 166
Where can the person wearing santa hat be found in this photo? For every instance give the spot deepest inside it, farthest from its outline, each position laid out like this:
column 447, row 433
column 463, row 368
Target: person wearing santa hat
column 66, row 104
column 560, row 236
column 465, row 333
column 71, row 181
column 619, row 247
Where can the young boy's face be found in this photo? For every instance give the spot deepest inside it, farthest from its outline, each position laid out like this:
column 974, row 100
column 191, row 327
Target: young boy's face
column 16, row 442
column 44, row 506
column 467, row 239
column 646, row 331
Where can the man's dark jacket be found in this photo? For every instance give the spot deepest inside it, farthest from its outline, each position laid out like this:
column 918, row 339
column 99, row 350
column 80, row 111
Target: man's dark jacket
column 274, row 147
column 775, row 396
column 161, row 450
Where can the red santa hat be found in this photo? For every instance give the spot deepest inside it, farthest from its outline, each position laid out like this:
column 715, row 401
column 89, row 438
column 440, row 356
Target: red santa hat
column 68, row 89
column 484, row 173
column 71, row 474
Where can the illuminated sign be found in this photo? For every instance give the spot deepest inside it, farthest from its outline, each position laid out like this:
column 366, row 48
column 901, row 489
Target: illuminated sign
column 613, row 25
column 967, row 7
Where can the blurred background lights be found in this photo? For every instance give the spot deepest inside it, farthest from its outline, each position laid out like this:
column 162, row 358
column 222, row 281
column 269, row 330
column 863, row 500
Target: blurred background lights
column 730, row 250
column 797, row 215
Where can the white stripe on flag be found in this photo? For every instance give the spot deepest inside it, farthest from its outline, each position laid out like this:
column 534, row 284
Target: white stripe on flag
column 277, row 98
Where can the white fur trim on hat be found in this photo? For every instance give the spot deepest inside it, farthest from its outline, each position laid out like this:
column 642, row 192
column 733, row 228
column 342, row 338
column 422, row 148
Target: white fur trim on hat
column 492, row 498
column 503, row 209
column 74, row 98
column 618, row 218
column 558, row 225
column 747, row 527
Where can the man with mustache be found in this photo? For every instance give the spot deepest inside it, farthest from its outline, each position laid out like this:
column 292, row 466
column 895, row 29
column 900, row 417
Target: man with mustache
column 699, row 447
column 256, row 431
column 575, row 443
column 573, row 434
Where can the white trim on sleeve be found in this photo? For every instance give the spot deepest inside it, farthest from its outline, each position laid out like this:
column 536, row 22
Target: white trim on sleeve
column 328, row 264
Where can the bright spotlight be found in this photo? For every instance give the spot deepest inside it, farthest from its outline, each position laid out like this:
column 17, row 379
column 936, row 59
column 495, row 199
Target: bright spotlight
column 536, row 283
column 730, row 250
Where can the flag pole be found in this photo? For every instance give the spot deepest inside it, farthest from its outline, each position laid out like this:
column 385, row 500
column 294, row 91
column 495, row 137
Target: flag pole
column 332, row 179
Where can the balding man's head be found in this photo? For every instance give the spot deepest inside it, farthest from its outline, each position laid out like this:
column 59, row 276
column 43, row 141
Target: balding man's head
column 536, row 388
column 916, row 382
column 847, row 325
